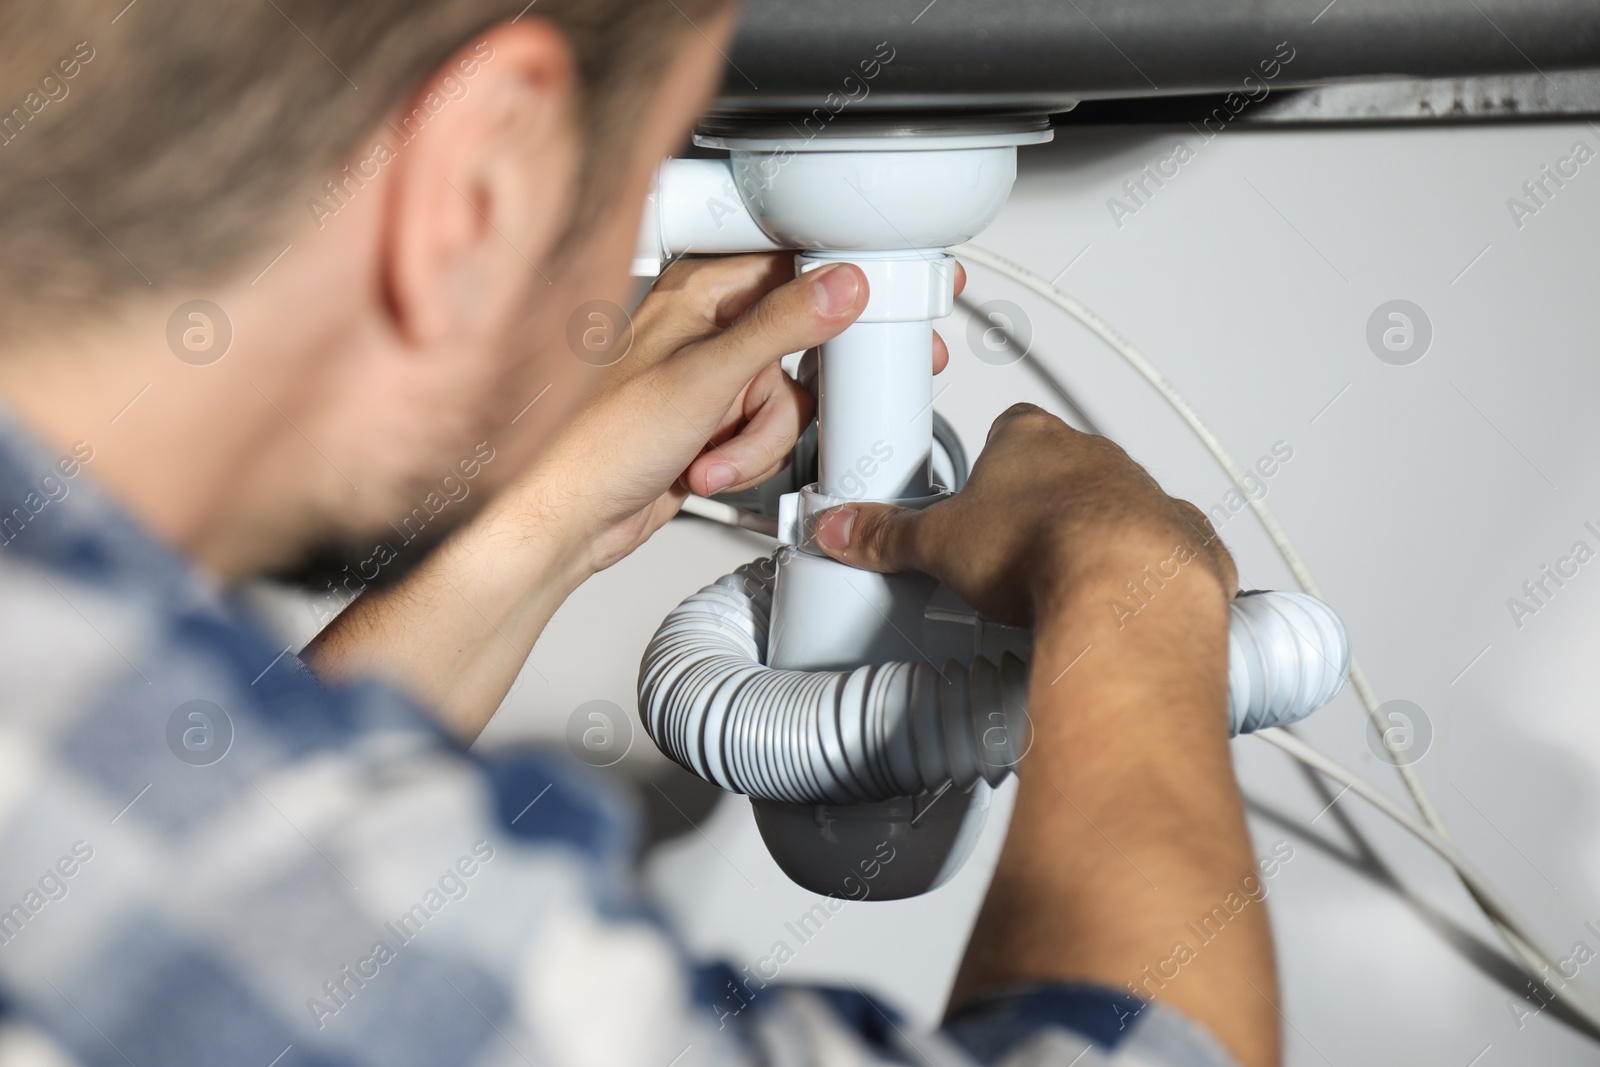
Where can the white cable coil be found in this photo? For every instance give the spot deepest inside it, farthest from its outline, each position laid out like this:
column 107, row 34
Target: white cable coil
column 902, row 729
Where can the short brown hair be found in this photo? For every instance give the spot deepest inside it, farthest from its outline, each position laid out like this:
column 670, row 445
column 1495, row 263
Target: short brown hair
column 163, row 146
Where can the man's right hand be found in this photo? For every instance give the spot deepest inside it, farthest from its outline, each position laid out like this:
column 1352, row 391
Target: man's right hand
column 1047, row 508
column 1127, row 823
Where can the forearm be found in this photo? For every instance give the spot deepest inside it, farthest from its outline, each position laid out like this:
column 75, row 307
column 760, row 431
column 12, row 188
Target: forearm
column 1128, row 828
column 457, row 630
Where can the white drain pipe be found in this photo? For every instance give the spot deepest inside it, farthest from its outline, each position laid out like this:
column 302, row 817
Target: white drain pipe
column 835, row 698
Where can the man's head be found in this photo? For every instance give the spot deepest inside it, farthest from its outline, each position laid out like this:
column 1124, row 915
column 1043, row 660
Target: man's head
column 394, row 208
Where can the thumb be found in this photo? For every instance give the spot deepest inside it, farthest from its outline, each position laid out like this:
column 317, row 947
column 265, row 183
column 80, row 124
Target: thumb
column 873, row 537
column 798, row 315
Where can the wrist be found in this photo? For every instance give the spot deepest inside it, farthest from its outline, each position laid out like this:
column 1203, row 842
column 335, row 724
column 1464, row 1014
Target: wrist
column 549, row 544
column 1126, row 576
column 1133, row 652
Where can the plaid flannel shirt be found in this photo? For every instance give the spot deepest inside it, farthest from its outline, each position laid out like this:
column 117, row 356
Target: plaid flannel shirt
column 207, row 857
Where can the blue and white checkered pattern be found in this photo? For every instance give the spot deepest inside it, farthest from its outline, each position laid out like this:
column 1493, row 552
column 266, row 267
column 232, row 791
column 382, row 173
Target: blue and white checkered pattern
column 207, row 857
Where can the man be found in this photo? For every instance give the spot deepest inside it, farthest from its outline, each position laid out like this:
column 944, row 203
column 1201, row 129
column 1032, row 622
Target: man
column 289, row 277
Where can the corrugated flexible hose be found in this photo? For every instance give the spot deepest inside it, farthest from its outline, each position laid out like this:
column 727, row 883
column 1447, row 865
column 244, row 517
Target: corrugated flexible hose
column 902, row 729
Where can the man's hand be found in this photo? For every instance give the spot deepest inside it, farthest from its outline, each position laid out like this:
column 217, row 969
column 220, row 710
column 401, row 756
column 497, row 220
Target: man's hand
column 1128, row 830
column 700, row 404
column 1046, row 511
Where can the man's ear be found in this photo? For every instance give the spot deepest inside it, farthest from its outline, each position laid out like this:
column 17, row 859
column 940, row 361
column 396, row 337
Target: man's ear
column 487, row 155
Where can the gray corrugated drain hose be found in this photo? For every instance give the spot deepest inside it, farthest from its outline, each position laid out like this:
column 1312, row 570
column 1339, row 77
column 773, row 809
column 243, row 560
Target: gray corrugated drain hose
column 903, row 729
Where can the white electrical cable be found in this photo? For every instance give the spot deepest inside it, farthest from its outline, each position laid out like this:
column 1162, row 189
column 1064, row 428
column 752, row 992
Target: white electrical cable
column 1495, row 903
column 1518, row 935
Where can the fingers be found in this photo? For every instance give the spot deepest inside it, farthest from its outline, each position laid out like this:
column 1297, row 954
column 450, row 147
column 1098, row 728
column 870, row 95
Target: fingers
column 776, row 409
column 758, row 299
column 718, row 289
column 695, row 298
column 873, row 537
column 722, row 288
column 941, row 351
column 811, row 309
